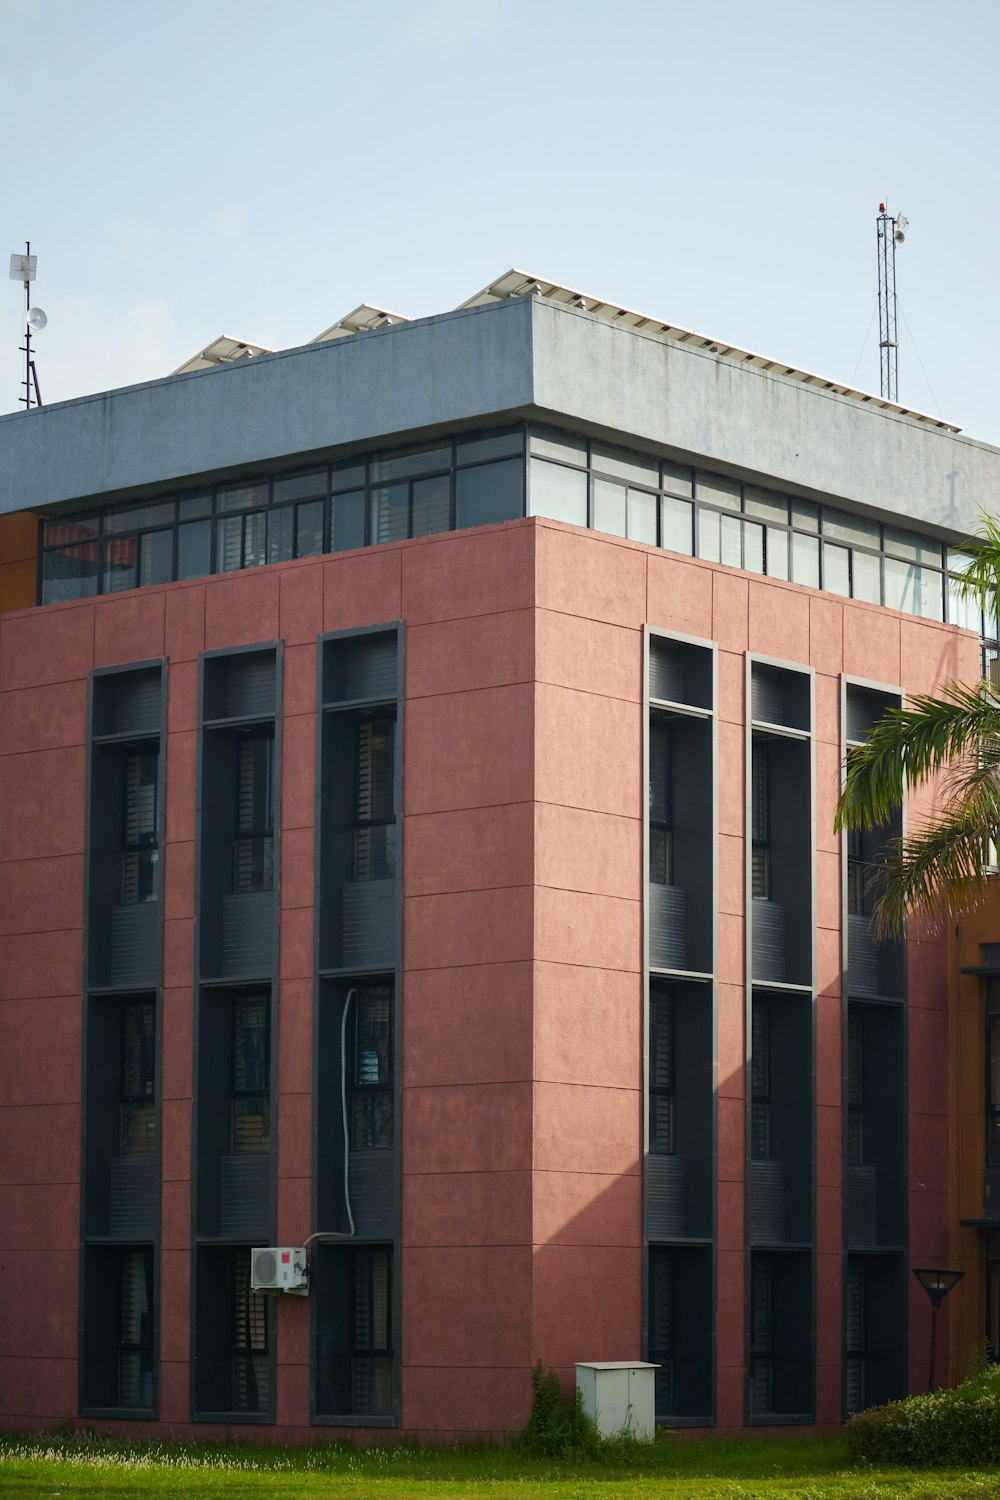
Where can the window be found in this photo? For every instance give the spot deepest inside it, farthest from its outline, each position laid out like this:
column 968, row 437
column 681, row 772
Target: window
column 371, row 1120
column 662, row 1088
column 253, row 853
column 251, row 1076
column 135, row 1330
column 478, row 480
column 137, row 1080
column 661, row 1327
column 139, row 828
column 854, row 1325
column 760, row 824
column 678, row 521
column 855, row 873
column 374, row 813
column 661, row 865
column 993, row 1296
column 251, row 1365
column 761, row 1336
column 761, row 1142
column 856, row 1111
column 371, row 1343
column 558, row 492
column 993, row 1073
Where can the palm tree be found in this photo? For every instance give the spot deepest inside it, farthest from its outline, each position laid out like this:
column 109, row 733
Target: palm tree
column 940, row 867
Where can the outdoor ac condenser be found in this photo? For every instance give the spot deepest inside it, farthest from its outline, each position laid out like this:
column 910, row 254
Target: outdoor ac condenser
column 279, row 1269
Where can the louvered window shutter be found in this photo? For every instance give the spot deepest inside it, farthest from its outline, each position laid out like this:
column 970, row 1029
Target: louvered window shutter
column 854, row 1320
column 761, row 1335
column 660, row 805
column 251, row 1073
column 139, row 832
column 661, row 1334
column 662, row 1075
column 254, row 865
column 372, row 1114
column 371, row 1365
column 373, row 847
column 760, row 1082
column 855, row 1091
column 760, row 824
column 251, row 1371
column 661, row 1328
column 138, row 1073
column 135, row 1331
column 854, row 1326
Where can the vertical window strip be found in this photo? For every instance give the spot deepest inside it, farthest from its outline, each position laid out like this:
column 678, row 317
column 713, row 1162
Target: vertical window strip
column 854, row 1336
column 135, row 1333
column 251, row 1363
column 761, row 1336
column 374, row 812
column 662, row 1091
column 760, row 823
column 139, row 827
column 137, row 1102
column 253, row 854
column 761, row 1142
column 660, row 804
column 372, row 1112
column 856, row 1144
column 371, row 1358
column 251, row 1073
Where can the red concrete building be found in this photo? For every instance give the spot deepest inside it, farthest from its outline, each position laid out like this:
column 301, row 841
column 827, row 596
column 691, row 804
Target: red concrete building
column 452, row 880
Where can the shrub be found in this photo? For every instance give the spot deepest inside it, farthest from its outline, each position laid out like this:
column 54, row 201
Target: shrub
column 955, row 1427
column 558, row 1426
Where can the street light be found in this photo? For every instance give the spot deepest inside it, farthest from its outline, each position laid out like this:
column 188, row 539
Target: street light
column 937, row 1283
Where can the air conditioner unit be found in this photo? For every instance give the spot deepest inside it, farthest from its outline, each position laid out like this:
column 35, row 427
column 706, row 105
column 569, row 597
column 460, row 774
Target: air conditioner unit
column 279, row 1269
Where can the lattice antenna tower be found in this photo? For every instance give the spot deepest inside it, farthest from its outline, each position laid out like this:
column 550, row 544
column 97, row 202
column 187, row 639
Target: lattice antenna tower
column 23, row 268
column 890, row 231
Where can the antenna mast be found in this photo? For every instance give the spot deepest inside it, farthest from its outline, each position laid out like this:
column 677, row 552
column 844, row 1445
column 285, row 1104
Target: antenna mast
column 23, row 268
column 890, row 231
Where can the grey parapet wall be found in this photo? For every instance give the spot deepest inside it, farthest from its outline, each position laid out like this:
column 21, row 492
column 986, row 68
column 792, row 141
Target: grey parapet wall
column 522, row 357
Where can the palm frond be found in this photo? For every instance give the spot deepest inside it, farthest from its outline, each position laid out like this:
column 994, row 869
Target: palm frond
column 942, row 867
column 908, row 745
column 939, row 871
column 981, row 579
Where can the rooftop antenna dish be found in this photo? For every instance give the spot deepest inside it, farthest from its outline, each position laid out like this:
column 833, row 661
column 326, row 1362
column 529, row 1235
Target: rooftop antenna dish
column 24, row 268
column 890, row 231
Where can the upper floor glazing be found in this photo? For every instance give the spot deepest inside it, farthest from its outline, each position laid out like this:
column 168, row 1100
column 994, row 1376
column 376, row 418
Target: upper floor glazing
column 501, row 475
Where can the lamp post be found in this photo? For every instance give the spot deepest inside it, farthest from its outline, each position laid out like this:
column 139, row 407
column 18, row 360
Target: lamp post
column 937, row 1283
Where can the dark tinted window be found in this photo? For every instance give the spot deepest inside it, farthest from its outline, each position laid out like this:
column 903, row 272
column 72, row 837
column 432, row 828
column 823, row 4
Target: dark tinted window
column 494, row 492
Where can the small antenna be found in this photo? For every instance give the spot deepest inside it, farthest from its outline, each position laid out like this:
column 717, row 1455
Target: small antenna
column 23, row 268
column 891, row 231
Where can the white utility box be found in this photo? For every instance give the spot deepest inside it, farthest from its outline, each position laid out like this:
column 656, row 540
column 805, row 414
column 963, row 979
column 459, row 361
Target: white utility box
column 620, row 1395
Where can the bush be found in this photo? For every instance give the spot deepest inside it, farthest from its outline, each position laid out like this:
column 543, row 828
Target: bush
column 558, row 1426
column 955, row 1427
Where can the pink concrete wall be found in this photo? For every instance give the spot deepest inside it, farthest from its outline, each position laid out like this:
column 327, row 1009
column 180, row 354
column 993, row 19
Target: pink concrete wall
column 588, row 885
column 44, row 662
column 521, row 1072
column 467, row 1012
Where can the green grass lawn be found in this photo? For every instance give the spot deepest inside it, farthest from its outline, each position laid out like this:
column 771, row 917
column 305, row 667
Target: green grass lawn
column 802, row 1469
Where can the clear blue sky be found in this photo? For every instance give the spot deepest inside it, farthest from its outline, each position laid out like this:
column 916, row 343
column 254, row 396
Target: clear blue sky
column 185, row 169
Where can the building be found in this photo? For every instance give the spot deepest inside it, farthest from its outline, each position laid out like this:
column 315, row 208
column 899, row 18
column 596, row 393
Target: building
column 419, row 771
column 974, row 1054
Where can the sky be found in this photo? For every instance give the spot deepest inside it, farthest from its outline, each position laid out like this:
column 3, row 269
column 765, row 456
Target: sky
column 185, row 168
